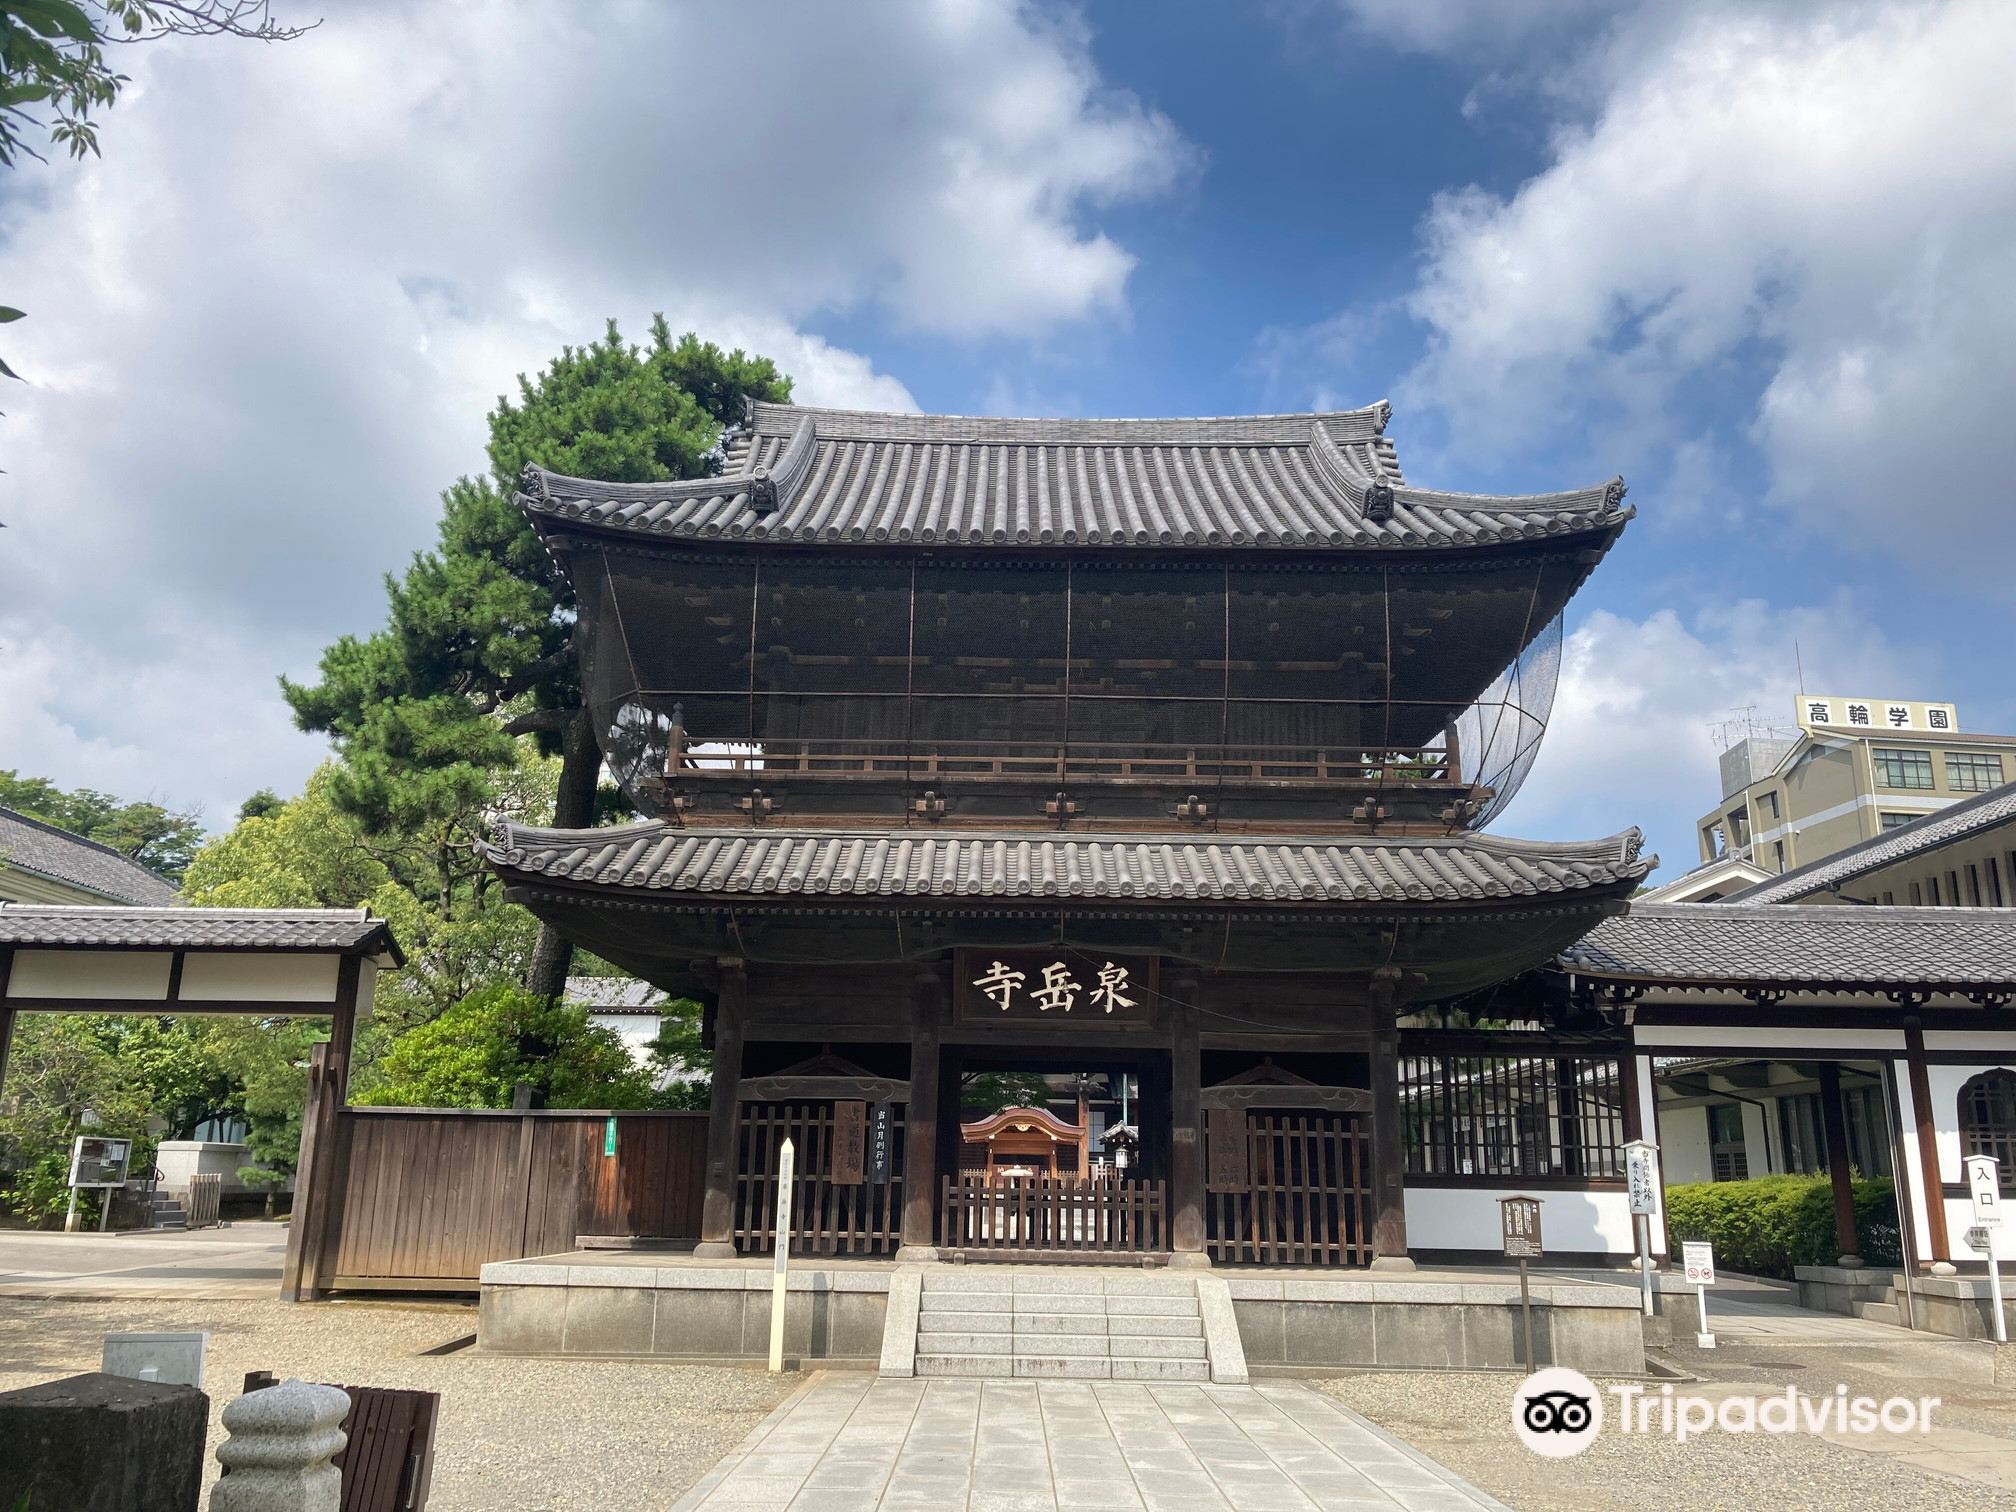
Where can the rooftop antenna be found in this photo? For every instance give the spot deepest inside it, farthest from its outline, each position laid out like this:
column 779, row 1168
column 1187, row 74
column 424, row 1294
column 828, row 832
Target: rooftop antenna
column 1799, row 667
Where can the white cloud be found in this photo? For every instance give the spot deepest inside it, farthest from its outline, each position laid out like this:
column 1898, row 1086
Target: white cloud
column 1633, row 737
column 1834, row 188
column 265, row 329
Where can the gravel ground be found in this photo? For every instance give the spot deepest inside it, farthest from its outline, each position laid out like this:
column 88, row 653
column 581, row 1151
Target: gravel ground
column 1464, row 1420
column 515, row 1435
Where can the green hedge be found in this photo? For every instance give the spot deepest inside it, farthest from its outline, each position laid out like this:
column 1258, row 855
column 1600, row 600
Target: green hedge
column 1767, row 1226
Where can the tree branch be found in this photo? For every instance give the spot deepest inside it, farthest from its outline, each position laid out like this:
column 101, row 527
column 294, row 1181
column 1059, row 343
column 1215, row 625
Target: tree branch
column 536, row 720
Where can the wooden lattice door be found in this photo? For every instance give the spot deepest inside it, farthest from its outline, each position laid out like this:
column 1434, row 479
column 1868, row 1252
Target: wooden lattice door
column 1289, row 1188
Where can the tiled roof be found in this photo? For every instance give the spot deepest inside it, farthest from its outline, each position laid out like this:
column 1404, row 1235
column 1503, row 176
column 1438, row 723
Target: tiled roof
column 1954, row 822
column 656, row 856
column 614, row 994
column 1854, row 945
column 56, row 853
column 351, row 931
column 1323, row 481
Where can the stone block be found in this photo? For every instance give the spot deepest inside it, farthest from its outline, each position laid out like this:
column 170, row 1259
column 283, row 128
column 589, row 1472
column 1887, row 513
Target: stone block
column 1180, row 1306
column 1262, row 1326
column 1055, row 1281
column 1597, row 1341
column 958, row 1365
column 1182, row 1327
column 1060, row 1322
column 521, row 1273
column 1328, row 1333
column 521, row 1319
column 1083, row 1304
column 1161, row 1370
column 701, row 1323
column 965, row 1322
column 979, row 1278
column 1415, row 1336
column 1060, row 1344
column 1191, row 1348
column 609, row 1321
column 99, row 1443
column 1220, row 1327
column 1064, row 1367
column 965, row 1344
column 898, row 1358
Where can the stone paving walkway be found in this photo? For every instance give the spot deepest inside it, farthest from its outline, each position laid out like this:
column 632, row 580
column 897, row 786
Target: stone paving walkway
column 853, row 1443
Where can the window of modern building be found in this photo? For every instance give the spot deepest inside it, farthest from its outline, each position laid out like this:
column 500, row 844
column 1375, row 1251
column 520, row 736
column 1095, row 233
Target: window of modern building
column 1868, row 1144
column 1768, row 802
column 1778, row 853
column 1739, row 828
column 1891, row 821
column 1933, row 884
column 1902, row 769
column 1917, row 897
column 1988, row 1121
column 1725, row 1143
column 1801, row 1134
column 1889, row 898
column 1994, row 884
column 1974, row 885
column 1972, row 772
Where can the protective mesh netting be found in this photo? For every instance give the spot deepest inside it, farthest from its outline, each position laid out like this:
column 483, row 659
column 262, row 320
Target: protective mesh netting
column 1499, row 734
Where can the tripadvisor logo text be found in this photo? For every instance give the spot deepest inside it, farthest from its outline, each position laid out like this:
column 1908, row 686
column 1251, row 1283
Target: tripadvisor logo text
column 1558, row 1412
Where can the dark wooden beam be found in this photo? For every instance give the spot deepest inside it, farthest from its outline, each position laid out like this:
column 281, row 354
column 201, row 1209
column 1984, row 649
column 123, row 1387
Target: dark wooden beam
column 920, row 1118
column 1834, row 1129
column 1186, row 1118
column 1928, row 1144
column 1389, row 1196
column 717, row 1212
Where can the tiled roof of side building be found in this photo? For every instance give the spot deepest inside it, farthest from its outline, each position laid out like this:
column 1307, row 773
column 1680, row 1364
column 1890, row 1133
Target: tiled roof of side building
column 1835, row 945
column 84, row 864
column 1318, row 481
column 345, row 931
column 614, row 994
column 1956, row 821
column 658, row 857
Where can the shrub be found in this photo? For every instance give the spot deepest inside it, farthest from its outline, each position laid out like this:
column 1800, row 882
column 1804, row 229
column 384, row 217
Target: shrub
column 1767, row 1226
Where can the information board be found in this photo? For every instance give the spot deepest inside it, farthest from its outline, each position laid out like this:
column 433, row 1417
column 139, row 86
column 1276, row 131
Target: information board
column 96, row 1162
column 1698, row 1257
column 1519, row 1222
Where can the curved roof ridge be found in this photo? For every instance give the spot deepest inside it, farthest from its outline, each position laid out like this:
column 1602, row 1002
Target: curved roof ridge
column 769, row 419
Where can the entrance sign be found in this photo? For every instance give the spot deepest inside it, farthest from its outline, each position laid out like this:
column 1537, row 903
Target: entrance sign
column 96, row 1162
column 99, row 1162
column 1519, row 1221
column 609, row 1135
column 1068, row 988
column 850, row 1142
column 1227, row 1160
column 1698, row 1258
column 1641, row 1176
column 881, row 1142
column 1984, row 1185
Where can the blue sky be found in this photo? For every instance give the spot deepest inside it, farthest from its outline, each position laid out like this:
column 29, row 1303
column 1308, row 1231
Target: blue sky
column 1752, row 256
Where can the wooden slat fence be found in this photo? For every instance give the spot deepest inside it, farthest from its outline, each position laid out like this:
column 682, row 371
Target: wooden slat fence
column 1306, row 1200
column 387, row 1460
column 425, row 1197
column 1056, row 1217
column 827, row 1217
column 205, row 1202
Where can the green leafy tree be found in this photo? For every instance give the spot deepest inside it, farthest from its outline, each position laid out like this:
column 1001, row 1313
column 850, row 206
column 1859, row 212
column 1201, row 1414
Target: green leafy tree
column 679, row 1059
column 160, row 839
column 475, row 1055
column 480, row 648
column 991, row 1091
column 60, row 1070
column 268, row 1060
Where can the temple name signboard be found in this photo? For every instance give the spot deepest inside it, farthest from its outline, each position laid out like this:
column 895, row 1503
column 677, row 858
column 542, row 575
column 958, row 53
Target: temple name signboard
column 1068, row 988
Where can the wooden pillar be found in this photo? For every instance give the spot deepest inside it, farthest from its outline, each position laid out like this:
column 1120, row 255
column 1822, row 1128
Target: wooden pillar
column 717, row 1210
column 7, row 1015
column 343, row 1024
column 1389, row 1196
column 1928, row 1145
column 1834, row 1130
column 301, row 1272
column 920, row 1120
column 1186, row 1123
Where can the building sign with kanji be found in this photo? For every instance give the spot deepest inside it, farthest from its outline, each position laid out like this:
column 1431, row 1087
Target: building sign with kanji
column 1819, row 713
column 1072, row 988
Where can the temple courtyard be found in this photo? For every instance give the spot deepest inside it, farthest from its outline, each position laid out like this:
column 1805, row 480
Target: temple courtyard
column 522, row 1435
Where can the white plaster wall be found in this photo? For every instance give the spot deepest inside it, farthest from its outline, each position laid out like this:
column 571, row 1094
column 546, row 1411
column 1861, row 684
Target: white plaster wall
column 138, row 974
column 1663, row 1037
column 1914, row 1168
column 1760, row 1150
column 180, row 1159
column 1454, row 1218
column 636, row 1030
column 1683, row 1145
column 1944, row 1083
column 236, row 978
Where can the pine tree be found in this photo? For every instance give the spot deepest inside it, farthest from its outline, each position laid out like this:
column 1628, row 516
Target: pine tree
column 480, row 647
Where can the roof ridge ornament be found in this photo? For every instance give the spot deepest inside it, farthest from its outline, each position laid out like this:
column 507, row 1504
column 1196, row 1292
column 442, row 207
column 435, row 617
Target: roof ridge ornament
column 1613, row 493
column 771, row 488
column 1378, row 500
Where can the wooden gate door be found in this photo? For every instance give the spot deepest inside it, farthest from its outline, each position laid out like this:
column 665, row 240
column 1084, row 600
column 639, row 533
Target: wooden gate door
column 837, row 1208
column 1306, row 1196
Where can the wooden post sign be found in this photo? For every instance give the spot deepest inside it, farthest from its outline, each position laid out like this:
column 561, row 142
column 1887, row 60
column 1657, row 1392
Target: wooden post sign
column 1519, row 1220
column 850, row 1142
column 881, row 1142
column 1227, row 1160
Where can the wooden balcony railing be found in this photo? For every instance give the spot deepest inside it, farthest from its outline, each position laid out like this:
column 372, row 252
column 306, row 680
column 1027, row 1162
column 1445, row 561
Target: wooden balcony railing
column 1047, row 762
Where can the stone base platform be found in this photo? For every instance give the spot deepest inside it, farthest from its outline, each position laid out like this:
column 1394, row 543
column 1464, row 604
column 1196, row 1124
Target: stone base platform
column 629, row 1303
